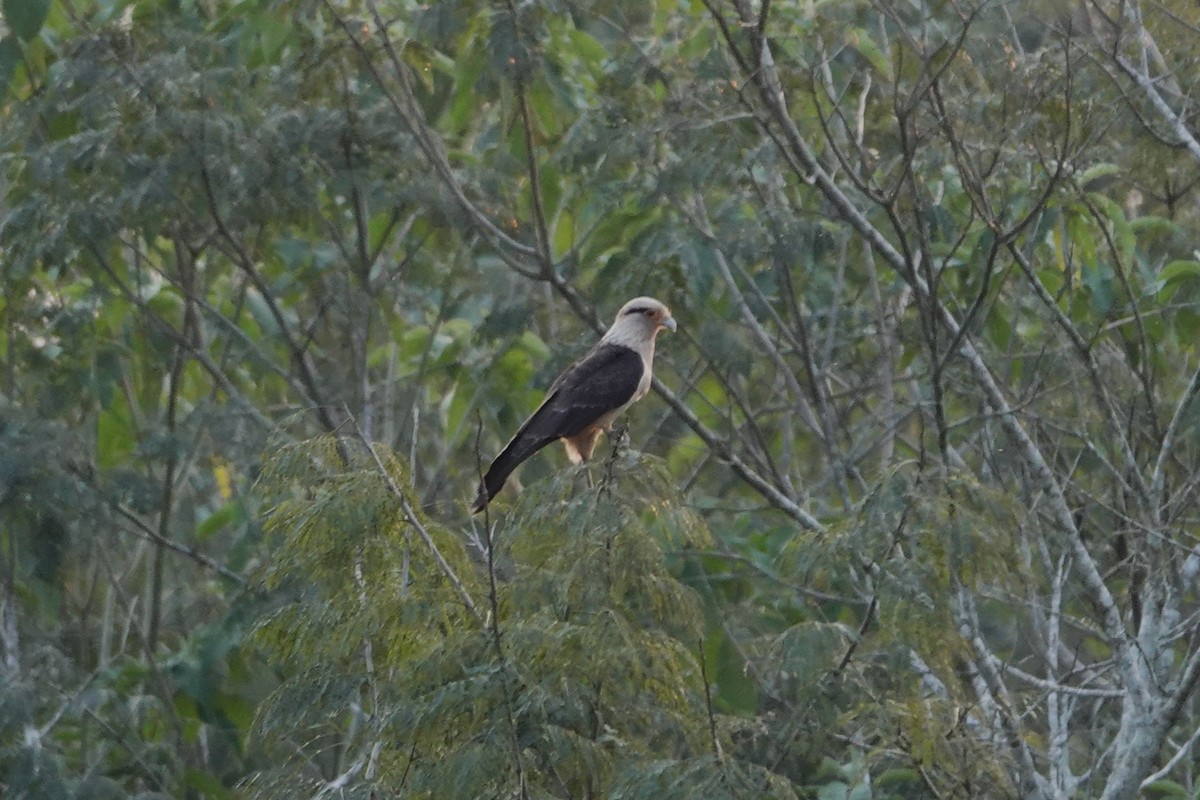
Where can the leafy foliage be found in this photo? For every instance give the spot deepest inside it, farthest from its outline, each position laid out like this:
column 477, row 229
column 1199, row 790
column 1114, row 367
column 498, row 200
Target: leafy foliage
column 924, row 523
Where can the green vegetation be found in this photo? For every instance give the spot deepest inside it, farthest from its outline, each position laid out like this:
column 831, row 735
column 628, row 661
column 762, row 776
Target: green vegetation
column 911, row 513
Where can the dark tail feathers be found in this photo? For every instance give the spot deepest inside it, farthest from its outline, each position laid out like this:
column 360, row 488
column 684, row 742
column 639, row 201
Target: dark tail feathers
column 519, row 449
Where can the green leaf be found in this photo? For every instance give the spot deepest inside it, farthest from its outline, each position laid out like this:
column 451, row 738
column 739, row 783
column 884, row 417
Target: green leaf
column 1122, row 233
column 898, row 777
column 833, row 791
column 733, row 689
column 1187, row 323
column 294, row 253
column 261, row 311
column 1179, row 270
column 999, row 329
column 207, row 784
column 587, row 48
column 1099, row 281
column 26, row 17
column 1098, row 171
column 115, row 435
column 1165, row 789
column 1172, row 277
column 1155, row 227
column 860, row 40
column 463, row 110
column 223, row 517
column 564, row 233
column 1081, row 236
column 10, row 59
column 860, row 792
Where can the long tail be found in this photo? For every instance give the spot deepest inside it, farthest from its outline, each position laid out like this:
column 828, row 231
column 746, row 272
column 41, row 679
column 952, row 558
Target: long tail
column 523, row 445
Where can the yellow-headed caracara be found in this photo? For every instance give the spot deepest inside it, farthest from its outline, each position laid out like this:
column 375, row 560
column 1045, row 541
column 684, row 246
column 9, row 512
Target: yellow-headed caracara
column 589, row 395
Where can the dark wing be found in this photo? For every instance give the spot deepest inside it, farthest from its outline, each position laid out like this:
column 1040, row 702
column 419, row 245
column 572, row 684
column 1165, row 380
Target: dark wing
column 604, row 379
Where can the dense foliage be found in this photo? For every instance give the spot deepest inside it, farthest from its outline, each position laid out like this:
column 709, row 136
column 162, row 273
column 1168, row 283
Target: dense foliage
column 912, row 510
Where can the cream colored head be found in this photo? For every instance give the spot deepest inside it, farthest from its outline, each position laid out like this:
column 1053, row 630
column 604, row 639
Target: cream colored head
column 638, row 321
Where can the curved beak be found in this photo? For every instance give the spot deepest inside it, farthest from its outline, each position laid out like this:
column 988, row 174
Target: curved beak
column 669, row 324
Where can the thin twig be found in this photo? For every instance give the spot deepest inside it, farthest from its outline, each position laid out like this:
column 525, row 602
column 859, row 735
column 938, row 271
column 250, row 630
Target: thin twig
column 147, row 532
column 708, row 704
column 410, row 515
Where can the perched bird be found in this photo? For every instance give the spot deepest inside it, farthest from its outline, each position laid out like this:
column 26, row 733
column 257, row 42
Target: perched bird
column 589, row 395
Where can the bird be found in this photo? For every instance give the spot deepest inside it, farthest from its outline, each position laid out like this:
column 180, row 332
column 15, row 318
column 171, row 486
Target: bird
column 589, row 395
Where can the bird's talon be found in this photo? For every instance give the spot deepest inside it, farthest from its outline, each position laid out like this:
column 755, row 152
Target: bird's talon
column 621, row 438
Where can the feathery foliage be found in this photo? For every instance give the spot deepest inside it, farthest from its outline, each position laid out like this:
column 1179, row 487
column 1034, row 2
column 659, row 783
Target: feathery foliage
column 585, row 683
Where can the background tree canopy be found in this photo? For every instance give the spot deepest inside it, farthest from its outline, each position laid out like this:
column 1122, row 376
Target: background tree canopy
column 911, row 513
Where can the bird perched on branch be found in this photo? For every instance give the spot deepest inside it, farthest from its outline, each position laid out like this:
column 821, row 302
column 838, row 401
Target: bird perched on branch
column 589, row 395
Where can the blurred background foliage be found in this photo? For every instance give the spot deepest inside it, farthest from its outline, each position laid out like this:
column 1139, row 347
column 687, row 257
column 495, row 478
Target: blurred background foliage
column 911, row 512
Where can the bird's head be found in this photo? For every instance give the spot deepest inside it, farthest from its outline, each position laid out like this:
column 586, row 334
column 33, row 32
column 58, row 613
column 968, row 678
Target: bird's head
column 642, row 317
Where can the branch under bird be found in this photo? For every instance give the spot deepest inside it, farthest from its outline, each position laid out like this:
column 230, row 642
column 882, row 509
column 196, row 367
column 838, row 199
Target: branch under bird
column 589, row 395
